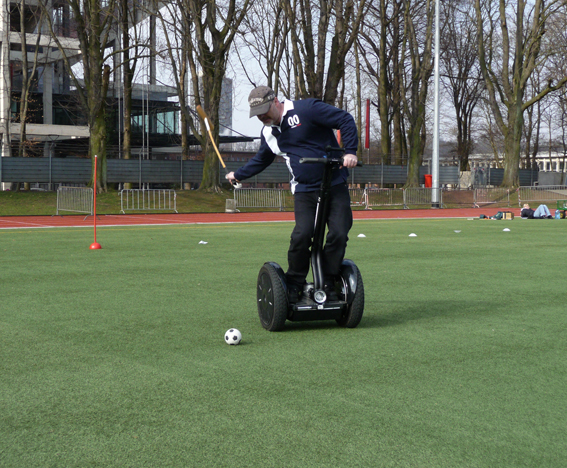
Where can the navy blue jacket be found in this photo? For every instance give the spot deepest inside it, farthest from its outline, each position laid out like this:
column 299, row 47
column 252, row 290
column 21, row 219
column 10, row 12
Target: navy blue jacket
column 305, row 131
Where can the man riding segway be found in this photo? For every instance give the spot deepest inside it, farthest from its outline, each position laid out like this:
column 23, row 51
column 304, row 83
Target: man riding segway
column 298, row 130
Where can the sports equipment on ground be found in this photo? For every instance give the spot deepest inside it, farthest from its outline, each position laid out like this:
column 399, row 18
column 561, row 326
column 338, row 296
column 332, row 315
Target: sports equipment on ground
column 95, row 245
column 232, row 336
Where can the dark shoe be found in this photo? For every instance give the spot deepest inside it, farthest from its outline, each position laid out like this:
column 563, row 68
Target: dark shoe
column 331, row 294
column 304, row 301
column 293, row 294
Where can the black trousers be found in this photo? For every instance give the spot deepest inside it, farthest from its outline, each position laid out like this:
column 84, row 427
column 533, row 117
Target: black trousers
column 339, row 222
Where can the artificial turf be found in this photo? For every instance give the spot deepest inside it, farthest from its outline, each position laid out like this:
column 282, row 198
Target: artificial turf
column 116, row 357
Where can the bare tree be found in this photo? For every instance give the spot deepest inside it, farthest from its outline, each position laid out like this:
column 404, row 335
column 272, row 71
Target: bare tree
column 28, row 70
column 557, row 66
column 562, row 120
column 215, row 26
column 30, row 19
column 381, row 42
column 322, row 33
column 128, row 16
column 176, row 23
column 265, row 35
column 521, row 53
column 531, row 124
column 462, row 76
column 358, row 99
column 400, row 144
column 374, row 35
column 93, row 21
column 205, row 31
column 418, row 46
column 533, row 117
column 490, row 133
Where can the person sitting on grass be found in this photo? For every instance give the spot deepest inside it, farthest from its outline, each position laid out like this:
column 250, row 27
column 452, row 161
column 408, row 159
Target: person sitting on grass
column 542, row 212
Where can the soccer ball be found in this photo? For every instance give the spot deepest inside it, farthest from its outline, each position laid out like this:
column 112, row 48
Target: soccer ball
column 232, row 336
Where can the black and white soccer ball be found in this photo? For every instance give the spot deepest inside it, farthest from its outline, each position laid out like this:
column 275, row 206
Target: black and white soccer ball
column 232, row 336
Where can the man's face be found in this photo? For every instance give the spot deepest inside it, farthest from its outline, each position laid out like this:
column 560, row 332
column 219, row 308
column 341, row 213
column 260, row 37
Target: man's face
column 272, row 117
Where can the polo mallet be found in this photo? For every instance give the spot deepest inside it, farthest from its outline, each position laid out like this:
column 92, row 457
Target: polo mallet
column 205, row 119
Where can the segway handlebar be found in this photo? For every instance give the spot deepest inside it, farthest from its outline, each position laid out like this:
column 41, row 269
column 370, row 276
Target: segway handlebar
column 323, row 160
column 329, row 149
column 314, row 160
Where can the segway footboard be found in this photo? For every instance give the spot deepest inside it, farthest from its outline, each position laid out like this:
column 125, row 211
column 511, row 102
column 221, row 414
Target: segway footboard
column 303, row 312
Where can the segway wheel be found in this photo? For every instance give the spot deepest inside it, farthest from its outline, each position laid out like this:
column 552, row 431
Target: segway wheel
column 272, row 298
column 355, row 309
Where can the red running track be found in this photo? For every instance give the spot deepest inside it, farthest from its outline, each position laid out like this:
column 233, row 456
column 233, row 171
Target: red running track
column 15, row 222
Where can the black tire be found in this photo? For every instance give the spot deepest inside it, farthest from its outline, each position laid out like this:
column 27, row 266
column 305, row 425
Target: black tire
column 272, row 299
column 355, row 309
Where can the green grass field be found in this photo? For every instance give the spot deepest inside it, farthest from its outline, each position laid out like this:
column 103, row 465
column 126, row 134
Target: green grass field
column 116, row 357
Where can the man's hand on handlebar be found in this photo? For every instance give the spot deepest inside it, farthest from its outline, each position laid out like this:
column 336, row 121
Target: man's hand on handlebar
column 350, row 160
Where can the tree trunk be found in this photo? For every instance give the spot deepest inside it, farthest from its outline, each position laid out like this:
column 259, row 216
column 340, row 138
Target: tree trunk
column 383, row 86
column 97, row 147
column 399, row 143
column 93, row 21
column 27, row 81
column 211, row 175
column 128, row 78
column 420, row 52
column 512, row 145
column 416, row 145
column 97, row 141
column 360, row 149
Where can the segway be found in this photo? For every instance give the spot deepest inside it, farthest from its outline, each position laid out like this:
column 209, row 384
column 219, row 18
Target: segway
column 273, row 305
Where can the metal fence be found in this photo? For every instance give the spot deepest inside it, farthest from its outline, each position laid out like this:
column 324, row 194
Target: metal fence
column 486, row 196
column 148, row 200
column 365, row 198
column 384, row 197
column 541, row 193
column 260, row 198
column 140, row 171
column 369, row 198
column 77, row 171
column 420, row 196
column 483, row 177
column 75, row 199
column 358, row 197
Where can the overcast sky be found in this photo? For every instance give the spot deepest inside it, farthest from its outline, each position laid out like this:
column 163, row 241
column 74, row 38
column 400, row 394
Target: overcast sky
column 240, row 120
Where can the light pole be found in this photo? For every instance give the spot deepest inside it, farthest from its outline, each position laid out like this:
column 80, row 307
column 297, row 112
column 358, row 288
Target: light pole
column 435, row 155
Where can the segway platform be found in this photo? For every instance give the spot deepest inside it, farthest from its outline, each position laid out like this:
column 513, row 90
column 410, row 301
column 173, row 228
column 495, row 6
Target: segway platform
column 308, row 309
